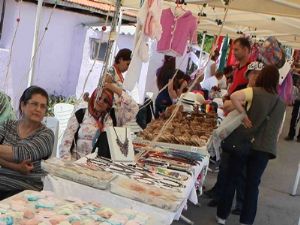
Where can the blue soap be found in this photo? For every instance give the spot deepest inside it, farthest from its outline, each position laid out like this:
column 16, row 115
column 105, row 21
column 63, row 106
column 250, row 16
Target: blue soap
column 7, row 220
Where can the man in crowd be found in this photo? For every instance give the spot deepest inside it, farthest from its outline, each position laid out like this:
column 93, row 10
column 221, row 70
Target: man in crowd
column 241, row 77
column 295, row 114
column 241, row 50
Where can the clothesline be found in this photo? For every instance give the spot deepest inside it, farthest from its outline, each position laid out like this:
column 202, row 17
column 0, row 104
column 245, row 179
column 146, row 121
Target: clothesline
column 12, row 47
column 108, row 50
column 18, row 20
column 95, row 60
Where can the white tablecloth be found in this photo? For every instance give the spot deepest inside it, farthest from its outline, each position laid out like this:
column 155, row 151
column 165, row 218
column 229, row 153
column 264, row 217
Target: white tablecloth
column 66, row 188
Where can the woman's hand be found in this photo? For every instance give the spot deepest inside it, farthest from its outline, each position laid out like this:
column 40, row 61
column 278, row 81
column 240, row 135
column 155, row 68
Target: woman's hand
column 238, row 100
column 113, row 88
column 25, row 167
column 199, row 76
column 183, row 86
column 247, row 122
column 108, row 79
column 228, row 106
column 171, row 91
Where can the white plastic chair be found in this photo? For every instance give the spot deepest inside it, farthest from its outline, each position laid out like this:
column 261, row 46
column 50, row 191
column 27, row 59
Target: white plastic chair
column 296, row 181
column 62, row 112
column 53, row 124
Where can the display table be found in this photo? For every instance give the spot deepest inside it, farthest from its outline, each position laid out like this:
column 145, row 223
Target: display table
column 63, row 188
column 31, row 207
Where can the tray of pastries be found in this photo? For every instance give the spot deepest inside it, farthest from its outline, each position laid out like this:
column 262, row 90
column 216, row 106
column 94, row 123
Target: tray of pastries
column 192, row 129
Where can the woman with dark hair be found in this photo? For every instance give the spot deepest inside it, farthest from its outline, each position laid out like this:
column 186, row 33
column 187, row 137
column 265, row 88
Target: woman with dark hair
column 169, row 95
column 85, row 123
column 24, row 143
column 121, row 64
column 265, row 112
column 166, row 71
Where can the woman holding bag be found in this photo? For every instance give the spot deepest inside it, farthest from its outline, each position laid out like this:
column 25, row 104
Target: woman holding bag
column 253, row 143
column 227, row 126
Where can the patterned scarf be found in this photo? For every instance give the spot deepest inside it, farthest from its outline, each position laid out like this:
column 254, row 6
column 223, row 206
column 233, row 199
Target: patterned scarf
column 99, row 116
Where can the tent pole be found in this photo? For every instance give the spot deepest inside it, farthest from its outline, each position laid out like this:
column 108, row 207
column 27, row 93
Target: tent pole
column 35, row 42
column 117, row 38
column 201, row 48
column 110, row 44
column 2, row 17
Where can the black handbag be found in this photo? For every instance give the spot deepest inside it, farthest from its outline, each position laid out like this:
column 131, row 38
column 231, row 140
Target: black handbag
column 240, row 141
column 237, row 142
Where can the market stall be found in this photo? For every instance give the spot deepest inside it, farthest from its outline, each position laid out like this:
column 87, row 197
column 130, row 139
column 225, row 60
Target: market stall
column 171, row 159
column 146, row 189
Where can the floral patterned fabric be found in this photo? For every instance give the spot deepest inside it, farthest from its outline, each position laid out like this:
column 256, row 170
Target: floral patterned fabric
column 125, row 111
column 116, row 78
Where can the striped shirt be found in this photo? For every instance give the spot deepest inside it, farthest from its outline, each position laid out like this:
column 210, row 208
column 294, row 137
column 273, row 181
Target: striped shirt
column 36, row 147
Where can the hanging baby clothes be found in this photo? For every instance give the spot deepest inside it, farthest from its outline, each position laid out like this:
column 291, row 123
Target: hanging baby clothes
column 148, row 27
column 254, row 54
column 224, row 49
column 176, row 31
column 231, row 59
column 284, row 71
column 219, row 42
column 285, row 90
column 272, row 53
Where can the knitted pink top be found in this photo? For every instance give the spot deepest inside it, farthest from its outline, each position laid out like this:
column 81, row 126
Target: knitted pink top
column 177, row 31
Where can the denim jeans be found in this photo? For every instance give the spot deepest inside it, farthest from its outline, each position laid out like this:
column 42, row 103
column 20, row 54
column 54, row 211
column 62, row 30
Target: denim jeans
column 221, row 181
column 255, row 162
column 294, row 120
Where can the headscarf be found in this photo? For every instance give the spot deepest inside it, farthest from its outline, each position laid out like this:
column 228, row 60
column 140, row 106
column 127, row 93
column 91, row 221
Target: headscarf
column 6, row 110
column 99, row 116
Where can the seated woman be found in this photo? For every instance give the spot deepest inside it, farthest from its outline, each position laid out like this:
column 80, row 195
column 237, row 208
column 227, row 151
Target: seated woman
column 79, row 134
column 24, row 143
column 169, row 95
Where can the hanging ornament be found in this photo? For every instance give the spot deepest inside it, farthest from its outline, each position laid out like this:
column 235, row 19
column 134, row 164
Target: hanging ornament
column 104, row 28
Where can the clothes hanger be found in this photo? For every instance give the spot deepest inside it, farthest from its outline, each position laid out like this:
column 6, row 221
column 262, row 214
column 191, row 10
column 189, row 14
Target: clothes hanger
column 179, row 10
column 179, row 6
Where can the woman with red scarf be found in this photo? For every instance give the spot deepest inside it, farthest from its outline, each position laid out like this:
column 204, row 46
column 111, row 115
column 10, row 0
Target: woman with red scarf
column 78, row 137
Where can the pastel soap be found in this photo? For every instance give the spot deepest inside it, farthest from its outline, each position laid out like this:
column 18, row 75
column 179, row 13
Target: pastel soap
column 28, row 214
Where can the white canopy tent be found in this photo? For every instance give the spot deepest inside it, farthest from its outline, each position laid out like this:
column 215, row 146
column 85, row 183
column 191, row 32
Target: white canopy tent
column 261, row 18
